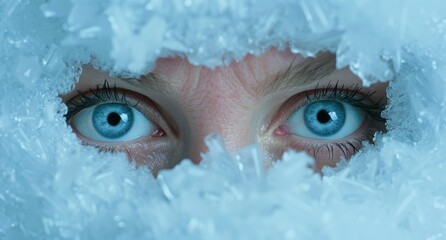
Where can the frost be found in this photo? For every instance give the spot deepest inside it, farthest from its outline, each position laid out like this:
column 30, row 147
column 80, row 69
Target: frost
column 54, row 188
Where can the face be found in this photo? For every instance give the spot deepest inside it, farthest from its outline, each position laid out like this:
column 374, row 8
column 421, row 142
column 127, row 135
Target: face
column 278, row 100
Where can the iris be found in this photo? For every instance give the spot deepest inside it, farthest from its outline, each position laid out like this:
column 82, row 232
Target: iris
column 325, row 118
column 112, row 120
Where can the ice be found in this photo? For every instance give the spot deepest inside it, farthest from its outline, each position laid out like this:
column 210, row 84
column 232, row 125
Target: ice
column 52, row 187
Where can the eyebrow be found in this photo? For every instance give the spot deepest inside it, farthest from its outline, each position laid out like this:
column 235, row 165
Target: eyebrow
column 310, row 70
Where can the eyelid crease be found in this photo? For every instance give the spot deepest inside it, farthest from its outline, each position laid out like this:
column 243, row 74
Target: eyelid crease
column 152, row 81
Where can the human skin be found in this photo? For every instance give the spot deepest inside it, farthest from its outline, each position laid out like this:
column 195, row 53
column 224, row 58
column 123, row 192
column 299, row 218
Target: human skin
column 245, row 102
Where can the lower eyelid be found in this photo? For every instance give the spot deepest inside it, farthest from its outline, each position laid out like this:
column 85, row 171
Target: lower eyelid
column 325, row 152
column 156, row 154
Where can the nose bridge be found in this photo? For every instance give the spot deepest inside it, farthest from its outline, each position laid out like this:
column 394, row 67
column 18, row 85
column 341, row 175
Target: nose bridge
column 217, row 108
column 216, row 116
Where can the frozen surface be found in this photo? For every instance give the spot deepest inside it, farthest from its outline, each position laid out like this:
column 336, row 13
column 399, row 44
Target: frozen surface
column 51, row 187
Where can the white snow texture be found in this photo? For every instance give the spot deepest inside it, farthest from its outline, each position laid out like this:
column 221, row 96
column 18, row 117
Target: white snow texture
column 52, row 187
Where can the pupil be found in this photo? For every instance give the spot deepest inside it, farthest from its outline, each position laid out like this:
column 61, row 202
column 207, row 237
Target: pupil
column 113, row 119
column 323, row 116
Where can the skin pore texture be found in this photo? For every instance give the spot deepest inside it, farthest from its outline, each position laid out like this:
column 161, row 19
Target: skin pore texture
column 250, row 101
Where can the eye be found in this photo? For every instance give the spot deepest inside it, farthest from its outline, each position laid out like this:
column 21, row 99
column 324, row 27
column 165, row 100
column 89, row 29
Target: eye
column 112, row 122
column 326, row 119
column 328, row 123
column 119, row 120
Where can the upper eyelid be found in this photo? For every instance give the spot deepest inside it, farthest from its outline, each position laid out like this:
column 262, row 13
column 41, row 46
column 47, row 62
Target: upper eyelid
column 354, row 94
column 93, row 97
column 295, row 102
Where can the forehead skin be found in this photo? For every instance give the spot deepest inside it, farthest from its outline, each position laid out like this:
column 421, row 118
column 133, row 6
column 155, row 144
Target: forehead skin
column 247, row 75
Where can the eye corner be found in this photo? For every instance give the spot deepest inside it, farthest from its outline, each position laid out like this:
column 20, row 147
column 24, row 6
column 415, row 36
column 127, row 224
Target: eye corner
column 281, row 131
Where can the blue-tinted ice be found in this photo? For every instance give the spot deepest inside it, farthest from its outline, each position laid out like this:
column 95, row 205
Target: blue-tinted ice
column 51, row 187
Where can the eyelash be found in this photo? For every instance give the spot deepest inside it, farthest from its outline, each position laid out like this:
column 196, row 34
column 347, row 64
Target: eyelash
column 352, row 95
column 102, row 94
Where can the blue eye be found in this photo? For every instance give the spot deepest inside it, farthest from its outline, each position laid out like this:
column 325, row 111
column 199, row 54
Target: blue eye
column 112, row 122
column 326, row 119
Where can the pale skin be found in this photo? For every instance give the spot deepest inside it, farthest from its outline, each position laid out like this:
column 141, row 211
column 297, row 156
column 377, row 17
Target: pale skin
column 246, row 102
